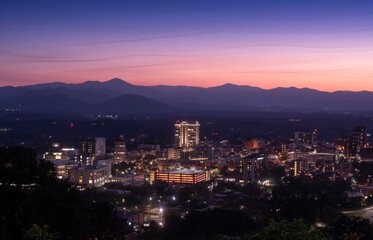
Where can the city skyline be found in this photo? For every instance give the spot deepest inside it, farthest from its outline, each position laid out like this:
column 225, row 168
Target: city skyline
column 314, row 44
column 186, row 119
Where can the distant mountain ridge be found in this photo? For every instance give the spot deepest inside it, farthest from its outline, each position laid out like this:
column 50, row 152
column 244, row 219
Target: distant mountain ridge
column 118, row 96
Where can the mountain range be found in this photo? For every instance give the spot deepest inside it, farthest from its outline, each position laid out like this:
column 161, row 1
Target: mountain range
column 120, row 97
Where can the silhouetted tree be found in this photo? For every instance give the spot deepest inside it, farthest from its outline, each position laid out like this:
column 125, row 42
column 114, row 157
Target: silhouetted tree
column 40, row 233
column 285, row 230
column 356, row 228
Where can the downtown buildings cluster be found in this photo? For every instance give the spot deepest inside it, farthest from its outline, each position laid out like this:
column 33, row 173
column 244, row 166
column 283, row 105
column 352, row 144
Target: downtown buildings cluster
column 212, row 162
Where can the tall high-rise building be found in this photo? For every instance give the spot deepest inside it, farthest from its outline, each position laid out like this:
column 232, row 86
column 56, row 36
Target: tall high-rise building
column 119, row 150
column 87, row 150
column 186, row 134
column 87, row 147
column 359, row 138
column 299, row 166
column 100, row 146
column 246, row 168
column 302, row 138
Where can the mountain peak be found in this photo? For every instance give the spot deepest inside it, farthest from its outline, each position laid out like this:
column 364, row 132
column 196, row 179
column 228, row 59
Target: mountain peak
column 229, row 85
column 117, row 81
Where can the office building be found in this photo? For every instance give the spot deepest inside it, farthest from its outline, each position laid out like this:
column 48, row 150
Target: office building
column 359, row 138
column 313, row 156
column 100, row 146
column 56, row 155
column 87, row 147
column 119, row 150
column 90, row 176
column 186, row 134
column 304, row 138
column 246, row 167
column 300, row 165
column 59, row 153
column 86, row 151
column 182, row 176
column 168, row 154
column 129, row 179
column 63, row 167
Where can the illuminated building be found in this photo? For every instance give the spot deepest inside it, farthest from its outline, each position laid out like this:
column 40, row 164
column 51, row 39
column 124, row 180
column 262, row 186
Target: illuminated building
column 86, row 151
column 60, row 153
column 344, row 144
column 119, row 150
column 253, row 144
column 168, row 164
column 96, row 175
column 129, row 179
column 186, row 154
column 105, row 162
column 186, row 134
column 299, row 166
column 168, row 154
column 63, row 167
column 87, row 147
column 100, row 146
column 202, row 152
column 246, row 166
column 198, row 163
column 243, row 170
column 284, row 149
column 182, row 176
column 90, row 176
column 359, row 138
column 313, row 156
column 302, row 138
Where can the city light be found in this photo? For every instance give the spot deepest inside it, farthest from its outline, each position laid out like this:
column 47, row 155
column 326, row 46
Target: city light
column 186, row 119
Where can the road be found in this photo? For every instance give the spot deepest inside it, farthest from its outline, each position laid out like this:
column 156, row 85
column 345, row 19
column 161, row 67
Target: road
column 364, row 212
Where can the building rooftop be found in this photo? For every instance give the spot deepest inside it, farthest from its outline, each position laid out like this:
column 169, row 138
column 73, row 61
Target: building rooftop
column 183, row 171
column 92, row 167
column 62, row 162
column 129, row 175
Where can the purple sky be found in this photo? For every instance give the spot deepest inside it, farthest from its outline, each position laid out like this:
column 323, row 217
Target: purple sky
column 327, row 45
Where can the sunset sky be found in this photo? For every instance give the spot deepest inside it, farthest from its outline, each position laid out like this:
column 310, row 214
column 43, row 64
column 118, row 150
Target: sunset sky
column 326, row 45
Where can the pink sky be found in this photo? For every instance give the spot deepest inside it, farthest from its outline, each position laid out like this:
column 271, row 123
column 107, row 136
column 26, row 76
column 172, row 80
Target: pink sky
column 322, row 47
column 306, row 65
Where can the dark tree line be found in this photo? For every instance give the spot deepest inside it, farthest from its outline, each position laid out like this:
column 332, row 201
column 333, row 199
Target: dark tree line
column 32, row 198
column 203, row 225
column 312, row 199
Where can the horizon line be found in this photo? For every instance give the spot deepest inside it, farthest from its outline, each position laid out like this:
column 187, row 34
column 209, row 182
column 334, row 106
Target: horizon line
column 155, row 85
